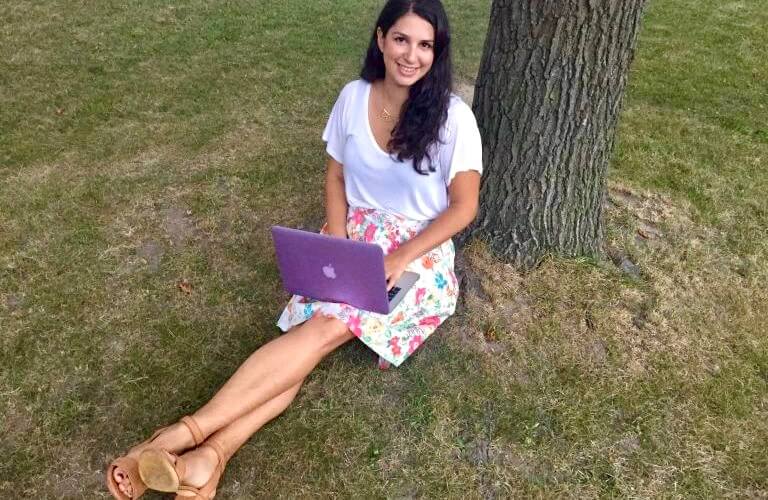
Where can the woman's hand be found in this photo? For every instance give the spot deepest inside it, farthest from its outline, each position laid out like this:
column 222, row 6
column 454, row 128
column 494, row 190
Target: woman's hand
column 336, row 231
column 394, row 267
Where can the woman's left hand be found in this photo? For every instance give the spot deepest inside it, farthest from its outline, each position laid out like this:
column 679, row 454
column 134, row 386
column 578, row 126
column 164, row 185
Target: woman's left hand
column 394, row 267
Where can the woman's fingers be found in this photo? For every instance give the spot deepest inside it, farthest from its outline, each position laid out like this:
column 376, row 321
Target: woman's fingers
column 392, row 279
column 393, row 269
column 319, row 313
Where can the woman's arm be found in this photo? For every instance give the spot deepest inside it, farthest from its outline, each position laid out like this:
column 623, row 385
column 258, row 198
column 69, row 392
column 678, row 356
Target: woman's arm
column 335, row 199
column 464, row 192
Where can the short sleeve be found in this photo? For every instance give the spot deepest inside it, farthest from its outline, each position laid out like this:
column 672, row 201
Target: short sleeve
column 463, row 149
column 335, row 131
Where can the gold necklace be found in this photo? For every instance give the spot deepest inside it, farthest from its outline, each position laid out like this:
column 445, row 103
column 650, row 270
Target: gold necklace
column 385, row 114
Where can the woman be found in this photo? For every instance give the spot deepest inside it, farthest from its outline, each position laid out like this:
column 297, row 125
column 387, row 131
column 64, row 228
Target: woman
column 403, row 172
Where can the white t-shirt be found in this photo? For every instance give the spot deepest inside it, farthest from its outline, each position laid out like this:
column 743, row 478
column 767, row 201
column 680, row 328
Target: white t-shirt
column 375, row 179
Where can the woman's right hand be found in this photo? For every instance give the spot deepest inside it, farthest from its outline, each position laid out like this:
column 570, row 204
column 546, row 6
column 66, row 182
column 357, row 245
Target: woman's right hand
column 336, row 232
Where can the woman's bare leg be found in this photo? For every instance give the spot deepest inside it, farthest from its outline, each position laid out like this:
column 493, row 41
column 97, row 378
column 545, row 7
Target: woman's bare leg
column 201, row 462
column 308, row 345
column 231, row 437
column 322, row 334
column 272, row 370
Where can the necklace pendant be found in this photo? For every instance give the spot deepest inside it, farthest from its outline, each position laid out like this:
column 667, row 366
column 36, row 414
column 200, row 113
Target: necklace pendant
column 385, row 115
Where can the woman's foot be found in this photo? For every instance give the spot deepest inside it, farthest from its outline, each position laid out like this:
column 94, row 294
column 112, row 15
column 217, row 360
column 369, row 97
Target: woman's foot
column 193, row 474
column 200, row 464
column 175, row 438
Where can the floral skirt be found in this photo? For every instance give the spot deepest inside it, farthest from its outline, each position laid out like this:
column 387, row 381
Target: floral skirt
column 396, row 335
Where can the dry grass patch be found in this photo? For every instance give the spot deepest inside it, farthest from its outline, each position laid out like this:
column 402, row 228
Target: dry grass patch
column 143, row 147
column 643, row 377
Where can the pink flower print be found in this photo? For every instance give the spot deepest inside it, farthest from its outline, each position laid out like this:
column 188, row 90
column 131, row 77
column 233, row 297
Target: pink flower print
column 420, row 295
column 394, row 346
column 357, row 216
column 414, row 343
column 393, row 244
column 430, row 321
column 369, row 232
column 354, row 324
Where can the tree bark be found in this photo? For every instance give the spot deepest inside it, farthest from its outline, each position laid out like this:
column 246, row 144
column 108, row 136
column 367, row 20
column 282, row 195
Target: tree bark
column 547, row 101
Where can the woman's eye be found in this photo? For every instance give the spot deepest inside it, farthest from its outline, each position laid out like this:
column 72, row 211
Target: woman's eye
column 399, row 39
column 426, row 45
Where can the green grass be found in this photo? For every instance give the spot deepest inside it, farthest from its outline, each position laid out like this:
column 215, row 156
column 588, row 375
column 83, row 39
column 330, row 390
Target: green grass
column 143, row 143
column 695, row 118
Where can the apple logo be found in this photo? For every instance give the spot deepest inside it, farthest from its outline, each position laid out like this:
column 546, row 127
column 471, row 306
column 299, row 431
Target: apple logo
column 329, row 272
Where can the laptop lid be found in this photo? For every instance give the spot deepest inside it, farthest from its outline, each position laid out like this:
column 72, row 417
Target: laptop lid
column 332, row 269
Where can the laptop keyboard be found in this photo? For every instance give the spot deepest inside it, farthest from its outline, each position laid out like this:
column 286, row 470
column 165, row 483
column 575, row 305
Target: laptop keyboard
column 391, row 294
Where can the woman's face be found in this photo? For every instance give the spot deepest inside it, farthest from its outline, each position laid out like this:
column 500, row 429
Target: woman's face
column 408, row 49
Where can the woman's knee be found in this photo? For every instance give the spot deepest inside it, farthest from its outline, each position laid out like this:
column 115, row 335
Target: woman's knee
column 330, row 332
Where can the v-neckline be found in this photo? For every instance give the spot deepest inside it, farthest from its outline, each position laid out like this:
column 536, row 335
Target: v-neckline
column 368, row 107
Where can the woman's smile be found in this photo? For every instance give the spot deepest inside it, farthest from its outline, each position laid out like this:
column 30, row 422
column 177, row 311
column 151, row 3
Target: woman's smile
column 407, row 70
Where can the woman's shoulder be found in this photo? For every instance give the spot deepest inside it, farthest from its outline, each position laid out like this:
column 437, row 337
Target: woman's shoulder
column 460, row 116
column 458, row 109
column 353, row 89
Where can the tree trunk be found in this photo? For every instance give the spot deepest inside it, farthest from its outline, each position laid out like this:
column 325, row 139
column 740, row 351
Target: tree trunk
column 547, row 101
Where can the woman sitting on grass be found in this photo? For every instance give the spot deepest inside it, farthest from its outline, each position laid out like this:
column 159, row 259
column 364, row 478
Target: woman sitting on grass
column 403, row 172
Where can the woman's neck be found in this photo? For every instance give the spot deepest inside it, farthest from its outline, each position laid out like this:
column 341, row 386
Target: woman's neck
column 394, row 94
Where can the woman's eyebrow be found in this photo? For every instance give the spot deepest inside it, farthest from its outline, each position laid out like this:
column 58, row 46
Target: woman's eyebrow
column 400, row 33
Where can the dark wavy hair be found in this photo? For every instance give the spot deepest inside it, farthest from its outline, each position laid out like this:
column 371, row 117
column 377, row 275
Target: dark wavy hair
column 426, row 109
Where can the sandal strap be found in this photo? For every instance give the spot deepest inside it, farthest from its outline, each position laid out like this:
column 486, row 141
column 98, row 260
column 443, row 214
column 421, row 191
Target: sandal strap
column 180, row 467
column 194, row 429
column 220, row 453
column 205, row 492
column 190, row 493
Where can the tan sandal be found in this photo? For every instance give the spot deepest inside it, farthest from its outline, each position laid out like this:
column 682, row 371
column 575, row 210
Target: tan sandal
column 131, row 466
column 161, row 473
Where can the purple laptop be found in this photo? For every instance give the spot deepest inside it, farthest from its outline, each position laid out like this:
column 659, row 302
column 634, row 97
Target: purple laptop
column 337, row 270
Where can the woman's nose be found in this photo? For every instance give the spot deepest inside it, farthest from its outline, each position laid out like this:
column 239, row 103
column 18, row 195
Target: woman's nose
column 410, row 56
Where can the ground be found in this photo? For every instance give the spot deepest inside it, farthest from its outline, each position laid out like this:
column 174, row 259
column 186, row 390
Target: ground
column 146, row 149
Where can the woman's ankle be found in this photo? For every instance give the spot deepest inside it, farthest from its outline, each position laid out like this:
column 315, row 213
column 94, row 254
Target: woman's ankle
column 176, row 438
column 200, row 464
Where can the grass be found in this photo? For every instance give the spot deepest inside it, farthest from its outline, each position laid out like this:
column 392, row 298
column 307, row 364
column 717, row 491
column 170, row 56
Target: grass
column 142, row 144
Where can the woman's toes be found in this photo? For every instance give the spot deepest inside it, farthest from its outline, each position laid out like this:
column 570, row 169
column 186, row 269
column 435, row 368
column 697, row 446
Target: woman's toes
column 126, row 489
column 123, row 483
